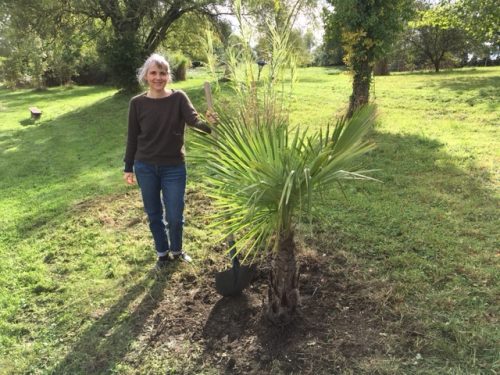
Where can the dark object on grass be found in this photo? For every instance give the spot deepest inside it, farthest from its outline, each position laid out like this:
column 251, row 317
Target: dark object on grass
column 261, row 64
column 232, row 281
column 35, row 113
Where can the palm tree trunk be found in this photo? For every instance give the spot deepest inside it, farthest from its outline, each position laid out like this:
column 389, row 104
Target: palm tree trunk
column 284, row 297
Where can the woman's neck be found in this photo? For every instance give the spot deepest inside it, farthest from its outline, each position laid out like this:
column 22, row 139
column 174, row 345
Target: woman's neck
column 158, row 94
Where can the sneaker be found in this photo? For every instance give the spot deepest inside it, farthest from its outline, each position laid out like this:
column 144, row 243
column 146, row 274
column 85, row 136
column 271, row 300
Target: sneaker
column 161, row 264
column 182, row 256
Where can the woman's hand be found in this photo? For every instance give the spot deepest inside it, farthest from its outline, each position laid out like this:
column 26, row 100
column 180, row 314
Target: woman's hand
column 212, row 117
column 129, row 178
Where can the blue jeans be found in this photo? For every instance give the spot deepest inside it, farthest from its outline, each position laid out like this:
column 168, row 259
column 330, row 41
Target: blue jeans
column 162, row 189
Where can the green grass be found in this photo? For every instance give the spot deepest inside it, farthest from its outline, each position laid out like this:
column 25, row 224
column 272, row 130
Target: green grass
column 431, row 228
column 73, row 273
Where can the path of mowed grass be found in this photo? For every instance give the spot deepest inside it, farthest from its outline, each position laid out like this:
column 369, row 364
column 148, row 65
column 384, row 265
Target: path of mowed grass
column 430, row 229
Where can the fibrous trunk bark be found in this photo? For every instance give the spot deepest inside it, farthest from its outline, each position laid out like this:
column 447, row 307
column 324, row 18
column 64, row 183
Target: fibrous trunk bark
column 284, row 297
column 360, row 88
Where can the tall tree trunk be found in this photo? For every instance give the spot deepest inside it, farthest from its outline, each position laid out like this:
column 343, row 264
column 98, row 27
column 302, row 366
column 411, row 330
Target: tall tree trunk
column 127, row 53
column 123, row 58
column 284, row 297
column 381, row 67
column 437, row 64
column 360, row 88
column 159, row 31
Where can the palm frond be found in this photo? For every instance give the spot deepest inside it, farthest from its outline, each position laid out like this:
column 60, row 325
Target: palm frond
column 262, row 177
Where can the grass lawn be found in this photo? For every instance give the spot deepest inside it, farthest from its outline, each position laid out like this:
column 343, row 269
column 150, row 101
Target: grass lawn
column 76, row 292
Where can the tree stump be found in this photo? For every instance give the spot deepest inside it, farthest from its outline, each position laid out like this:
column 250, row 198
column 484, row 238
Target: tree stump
column 35, row 113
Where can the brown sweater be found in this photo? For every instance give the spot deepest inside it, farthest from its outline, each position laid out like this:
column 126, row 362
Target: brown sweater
column 156, row 129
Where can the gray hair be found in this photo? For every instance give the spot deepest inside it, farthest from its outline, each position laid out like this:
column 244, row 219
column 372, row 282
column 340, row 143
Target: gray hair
column 154, row 59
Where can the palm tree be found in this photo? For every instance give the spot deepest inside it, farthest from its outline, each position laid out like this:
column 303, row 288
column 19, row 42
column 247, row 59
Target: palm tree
column 263, row 175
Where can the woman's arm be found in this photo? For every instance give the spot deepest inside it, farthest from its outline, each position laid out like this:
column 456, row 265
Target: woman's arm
column 191, row 116
column 132, row 134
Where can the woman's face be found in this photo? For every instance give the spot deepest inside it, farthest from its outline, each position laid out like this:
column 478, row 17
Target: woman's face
column 157, row 78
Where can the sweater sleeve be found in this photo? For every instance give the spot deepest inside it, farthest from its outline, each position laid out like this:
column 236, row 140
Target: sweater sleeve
column 191, row 116
column 133, row 133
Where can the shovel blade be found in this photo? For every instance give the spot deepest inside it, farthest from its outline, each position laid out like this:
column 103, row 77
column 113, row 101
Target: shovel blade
column 231, row 283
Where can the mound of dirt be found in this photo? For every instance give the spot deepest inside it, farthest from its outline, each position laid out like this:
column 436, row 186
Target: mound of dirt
column 336, row 328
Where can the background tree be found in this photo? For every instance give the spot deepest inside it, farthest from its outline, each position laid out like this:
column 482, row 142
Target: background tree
column 403, row 56
column 187, row 34
column 481, row 19
column 332, row 52
column 437, row 45
column 26, row 62
column 300, row 47
column 4, row 20
column 132, row 30
column 368, row 27
column 139, row 27
column 42, row 42
column 437, row 35
column 31, row 43
column 277, row 13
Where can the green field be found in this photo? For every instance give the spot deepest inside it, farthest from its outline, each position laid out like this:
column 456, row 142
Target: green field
column 74, row 267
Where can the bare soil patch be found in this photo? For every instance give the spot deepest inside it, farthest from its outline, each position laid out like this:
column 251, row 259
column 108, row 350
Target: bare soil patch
column 346, row 322
column 338, row 328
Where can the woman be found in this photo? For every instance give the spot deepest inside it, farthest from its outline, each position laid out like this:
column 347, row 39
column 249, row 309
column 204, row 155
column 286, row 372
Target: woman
column 155, row 152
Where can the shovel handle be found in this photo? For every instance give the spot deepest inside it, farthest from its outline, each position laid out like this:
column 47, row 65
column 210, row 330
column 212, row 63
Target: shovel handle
column 232, row 252
column 230, row 239
column 208, row 96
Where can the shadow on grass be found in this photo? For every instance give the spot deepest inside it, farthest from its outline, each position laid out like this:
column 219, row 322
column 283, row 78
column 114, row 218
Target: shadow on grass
column 71, row 158
column 420, row 236
column 27, row 122
column 418, row 225
column 316, row 80
column 57, row 154
column 462, row 84
column 27, row 98
column 446, row 72
column 107, row 341
column 430, row 230
column 426, row 201
column 483, row 89
column 418, row 158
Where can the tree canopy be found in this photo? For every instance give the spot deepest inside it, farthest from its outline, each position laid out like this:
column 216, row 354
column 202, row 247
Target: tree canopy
column 481, row 19
column 46, row 42
column 138, row 27
column 124, row 32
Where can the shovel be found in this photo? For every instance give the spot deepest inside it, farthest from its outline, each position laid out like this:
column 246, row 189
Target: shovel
column 232, row 281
